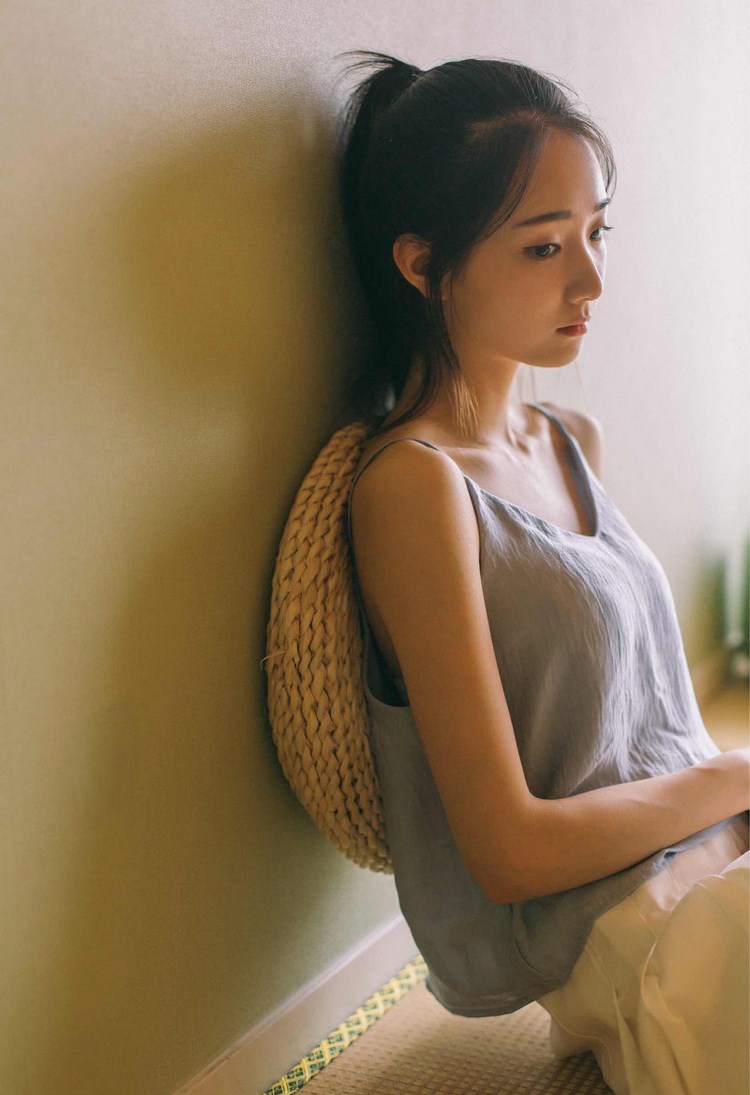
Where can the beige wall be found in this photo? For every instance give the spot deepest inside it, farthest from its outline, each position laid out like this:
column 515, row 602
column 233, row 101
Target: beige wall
column 178, row 320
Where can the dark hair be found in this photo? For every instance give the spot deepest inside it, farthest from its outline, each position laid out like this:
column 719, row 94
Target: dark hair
column 445, row 154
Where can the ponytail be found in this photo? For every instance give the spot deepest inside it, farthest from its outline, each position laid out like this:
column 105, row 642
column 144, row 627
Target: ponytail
column 364, row 111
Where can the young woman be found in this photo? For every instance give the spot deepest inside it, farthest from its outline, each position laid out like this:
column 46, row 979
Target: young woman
column 561, row 825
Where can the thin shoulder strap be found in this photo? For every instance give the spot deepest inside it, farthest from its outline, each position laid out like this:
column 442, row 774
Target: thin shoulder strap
column 550, row 414
column 367, row 464
column 579, row 463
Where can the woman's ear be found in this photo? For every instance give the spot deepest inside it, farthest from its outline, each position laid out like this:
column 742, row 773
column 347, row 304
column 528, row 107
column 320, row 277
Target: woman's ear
column 411, row 255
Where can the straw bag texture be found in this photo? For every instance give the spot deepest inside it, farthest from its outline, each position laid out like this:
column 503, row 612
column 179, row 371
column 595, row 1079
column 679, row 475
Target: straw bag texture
column 314, row 650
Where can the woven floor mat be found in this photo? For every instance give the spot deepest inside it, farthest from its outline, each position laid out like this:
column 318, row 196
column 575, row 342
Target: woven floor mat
column 403, row 1042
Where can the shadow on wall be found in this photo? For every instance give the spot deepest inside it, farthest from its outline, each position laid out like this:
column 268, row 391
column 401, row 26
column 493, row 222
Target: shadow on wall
column 239, row 303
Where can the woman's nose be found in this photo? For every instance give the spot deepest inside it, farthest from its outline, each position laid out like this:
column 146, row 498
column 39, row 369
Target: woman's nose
column 590, row 277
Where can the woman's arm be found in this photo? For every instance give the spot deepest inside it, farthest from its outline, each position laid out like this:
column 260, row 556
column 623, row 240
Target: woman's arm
column 575, row 840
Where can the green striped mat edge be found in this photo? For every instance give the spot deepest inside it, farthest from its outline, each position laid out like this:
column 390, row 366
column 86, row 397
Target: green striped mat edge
column 352, row 1027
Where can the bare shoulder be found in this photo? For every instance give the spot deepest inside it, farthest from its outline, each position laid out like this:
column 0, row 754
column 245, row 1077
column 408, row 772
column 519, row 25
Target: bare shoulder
column 412, row 484
column 588, row 432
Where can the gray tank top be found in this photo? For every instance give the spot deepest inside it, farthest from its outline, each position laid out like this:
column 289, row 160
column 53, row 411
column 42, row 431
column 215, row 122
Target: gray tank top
column 591, row 659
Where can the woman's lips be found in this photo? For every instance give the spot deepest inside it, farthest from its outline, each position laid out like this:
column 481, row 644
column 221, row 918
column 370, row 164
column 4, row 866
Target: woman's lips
column 576, row 329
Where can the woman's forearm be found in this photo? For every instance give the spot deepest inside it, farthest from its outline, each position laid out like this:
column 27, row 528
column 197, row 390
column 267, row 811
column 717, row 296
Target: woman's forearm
column 575, row 840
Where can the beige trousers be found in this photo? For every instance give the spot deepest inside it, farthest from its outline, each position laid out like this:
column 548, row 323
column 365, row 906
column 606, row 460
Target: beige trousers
column 661, row 992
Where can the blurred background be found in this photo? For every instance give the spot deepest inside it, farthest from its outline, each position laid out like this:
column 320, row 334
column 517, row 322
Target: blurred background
column 180, row 319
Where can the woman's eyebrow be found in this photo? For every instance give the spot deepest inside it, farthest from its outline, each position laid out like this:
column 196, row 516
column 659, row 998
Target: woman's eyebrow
column 559, row 215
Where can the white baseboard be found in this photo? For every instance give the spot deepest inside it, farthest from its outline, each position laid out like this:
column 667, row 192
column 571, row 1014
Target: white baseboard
column 290, row 1031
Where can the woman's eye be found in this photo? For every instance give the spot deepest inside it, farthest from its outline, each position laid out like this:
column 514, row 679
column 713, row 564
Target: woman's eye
column 542, row 246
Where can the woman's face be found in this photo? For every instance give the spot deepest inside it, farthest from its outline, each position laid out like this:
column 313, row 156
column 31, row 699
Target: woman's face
column 521, row 284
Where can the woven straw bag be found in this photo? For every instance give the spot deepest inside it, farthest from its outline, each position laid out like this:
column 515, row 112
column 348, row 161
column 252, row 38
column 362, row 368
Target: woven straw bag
column 314, row 661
